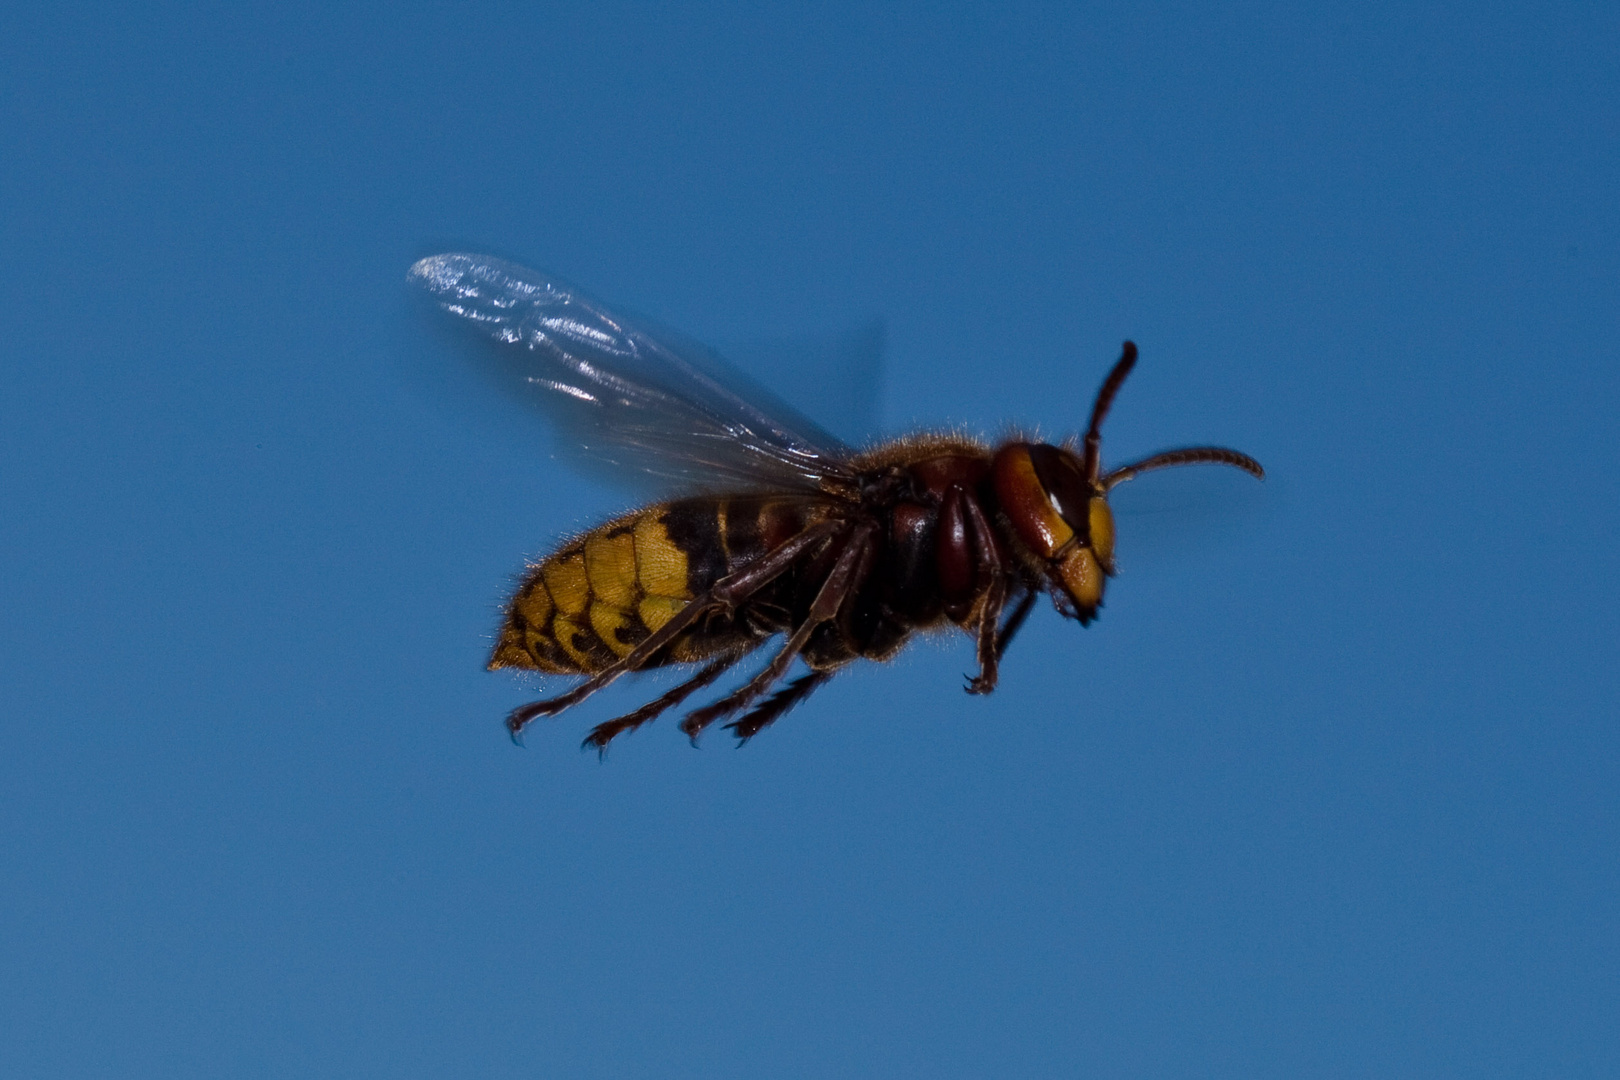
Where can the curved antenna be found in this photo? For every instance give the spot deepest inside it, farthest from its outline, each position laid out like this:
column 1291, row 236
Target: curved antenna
column 1192, row 455
column 1099, row 409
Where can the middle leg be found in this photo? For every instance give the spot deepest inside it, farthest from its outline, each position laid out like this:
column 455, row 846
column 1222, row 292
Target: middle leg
column 841, row 583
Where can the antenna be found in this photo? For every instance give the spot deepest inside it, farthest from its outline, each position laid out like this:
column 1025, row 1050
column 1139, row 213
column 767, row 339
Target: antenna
column 1099, row 409
column 1192, row 455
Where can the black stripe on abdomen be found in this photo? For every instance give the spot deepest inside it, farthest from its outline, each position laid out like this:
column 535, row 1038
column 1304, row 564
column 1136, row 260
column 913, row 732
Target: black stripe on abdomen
column 693, row 526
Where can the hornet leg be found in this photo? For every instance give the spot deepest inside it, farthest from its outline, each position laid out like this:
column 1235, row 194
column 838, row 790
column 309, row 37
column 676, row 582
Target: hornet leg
column 840, row 584
column 603, row 733
column 767, row 712
column 1014, row 621
column 995, row 599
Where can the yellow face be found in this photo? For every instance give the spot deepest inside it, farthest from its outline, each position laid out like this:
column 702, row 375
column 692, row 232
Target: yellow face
column 1084, row 569
column 1102, row 531
column 1061, row 518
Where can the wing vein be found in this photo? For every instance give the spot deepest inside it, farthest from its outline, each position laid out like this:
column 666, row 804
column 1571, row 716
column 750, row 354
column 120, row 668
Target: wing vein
column 643, row 400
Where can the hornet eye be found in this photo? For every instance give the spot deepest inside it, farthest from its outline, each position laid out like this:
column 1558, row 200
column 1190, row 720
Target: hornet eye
column 1065, row 485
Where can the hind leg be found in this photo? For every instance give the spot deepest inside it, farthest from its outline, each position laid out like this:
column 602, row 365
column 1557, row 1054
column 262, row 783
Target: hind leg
column 604, row 733
column 767, row 711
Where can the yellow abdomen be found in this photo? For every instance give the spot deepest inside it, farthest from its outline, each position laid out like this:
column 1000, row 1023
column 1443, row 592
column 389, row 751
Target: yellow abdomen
column 592, row 602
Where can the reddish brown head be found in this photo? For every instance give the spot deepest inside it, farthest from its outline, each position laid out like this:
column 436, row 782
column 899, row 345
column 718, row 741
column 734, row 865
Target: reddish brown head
column 1057, row 500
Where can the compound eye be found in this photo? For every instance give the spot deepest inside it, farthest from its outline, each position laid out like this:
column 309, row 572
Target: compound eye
column 1025, row 502
column 1065, row 485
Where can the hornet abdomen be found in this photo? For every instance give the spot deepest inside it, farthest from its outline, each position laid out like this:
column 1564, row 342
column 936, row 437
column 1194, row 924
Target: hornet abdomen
column 589, row 604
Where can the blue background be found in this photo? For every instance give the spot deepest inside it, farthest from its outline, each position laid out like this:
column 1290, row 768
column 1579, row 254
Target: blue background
column 1329, row 791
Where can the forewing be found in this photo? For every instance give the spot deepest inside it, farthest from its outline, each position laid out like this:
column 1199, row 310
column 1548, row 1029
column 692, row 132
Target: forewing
column 630, row 398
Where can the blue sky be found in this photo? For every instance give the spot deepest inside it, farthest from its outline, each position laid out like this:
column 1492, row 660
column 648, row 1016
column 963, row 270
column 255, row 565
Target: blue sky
column 1329, row 790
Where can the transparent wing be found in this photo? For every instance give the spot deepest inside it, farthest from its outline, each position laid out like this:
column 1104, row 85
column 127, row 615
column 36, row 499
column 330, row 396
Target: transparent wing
column 629, row 398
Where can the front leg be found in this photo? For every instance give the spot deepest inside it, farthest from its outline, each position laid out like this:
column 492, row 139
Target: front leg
column 1014, row 621
column 995, row 598
column 994, row 583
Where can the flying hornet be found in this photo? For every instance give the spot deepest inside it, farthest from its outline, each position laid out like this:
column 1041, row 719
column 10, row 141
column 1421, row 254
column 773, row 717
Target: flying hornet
column 774, row 528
